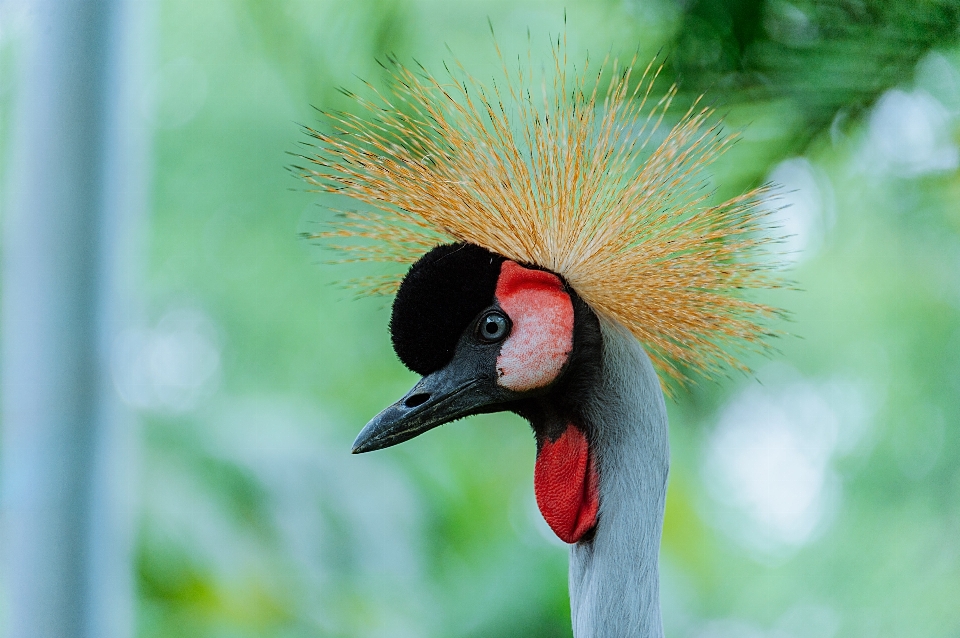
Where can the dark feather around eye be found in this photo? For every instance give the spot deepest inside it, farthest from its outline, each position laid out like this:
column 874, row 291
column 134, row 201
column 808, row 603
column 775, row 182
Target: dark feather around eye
column 438, row 300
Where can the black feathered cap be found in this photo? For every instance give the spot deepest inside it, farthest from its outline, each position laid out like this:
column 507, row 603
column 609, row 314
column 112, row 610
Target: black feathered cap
column 438, row 298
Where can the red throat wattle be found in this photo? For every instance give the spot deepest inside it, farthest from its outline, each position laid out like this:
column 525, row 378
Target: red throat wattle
column 565, row 479
column 565, row 482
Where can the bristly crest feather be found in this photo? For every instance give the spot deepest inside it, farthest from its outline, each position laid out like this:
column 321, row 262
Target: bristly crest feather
column 568, row 175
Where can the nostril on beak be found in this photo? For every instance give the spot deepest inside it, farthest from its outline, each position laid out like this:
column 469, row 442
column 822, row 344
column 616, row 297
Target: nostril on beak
column 416, row 399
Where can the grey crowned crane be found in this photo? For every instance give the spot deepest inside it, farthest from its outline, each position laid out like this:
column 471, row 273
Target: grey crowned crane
column 564, row 250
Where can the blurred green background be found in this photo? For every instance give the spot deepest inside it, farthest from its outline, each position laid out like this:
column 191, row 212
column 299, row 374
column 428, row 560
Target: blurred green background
column 819, row 497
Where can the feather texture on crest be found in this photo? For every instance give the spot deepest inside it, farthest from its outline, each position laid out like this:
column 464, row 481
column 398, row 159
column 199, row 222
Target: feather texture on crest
column 572, row 173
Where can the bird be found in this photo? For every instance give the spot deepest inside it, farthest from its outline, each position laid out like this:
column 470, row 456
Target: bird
column 567, row 260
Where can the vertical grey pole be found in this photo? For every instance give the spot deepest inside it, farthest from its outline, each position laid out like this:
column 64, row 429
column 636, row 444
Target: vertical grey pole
column 76, row 187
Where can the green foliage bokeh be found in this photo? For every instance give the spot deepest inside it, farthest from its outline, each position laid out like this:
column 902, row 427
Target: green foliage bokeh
column 258, row 522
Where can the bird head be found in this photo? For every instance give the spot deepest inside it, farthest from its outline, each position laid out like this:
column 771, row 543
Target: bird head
column 532, row 211
column 491, row 335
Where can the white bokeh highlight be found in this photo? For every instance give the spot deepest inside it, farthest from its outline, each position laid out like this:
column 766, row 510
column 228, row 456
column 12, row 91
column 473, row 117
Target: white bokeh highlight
column 909, row 135
column 171, row 367
column 768, row 462
column 802, row 207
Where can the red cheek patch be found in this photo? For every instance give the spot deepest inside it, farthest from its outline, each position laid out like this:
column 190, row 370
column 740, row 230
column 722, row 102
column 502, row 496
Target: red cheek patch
column 542, row 334
column 565, row 482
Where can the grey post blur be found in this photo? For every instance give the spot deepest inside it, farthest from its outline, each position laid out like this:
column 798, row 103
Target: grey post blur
column 75, row 191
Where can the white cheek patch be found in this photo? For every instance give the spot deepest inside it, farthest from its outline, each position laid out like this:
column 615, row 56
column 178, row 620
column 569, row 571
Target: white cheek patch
column 542, row 335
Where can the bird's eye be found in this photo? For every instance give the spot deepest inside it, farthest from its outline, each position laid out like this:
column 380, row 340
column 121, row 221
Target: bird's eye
column 493, row 326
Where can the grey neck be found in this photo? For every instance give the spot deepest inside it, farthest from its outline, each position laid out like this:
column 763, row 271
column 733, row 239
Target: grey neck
column 614, row 577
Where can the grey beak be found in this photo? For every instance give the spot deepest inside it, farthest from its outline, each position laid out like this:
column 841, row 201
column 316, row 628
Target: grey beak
column 451, row 393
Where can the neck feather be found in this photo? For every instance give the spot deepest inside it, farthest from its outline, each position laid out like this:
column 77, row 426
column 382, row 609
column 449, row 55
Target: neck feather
column 614, row 576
